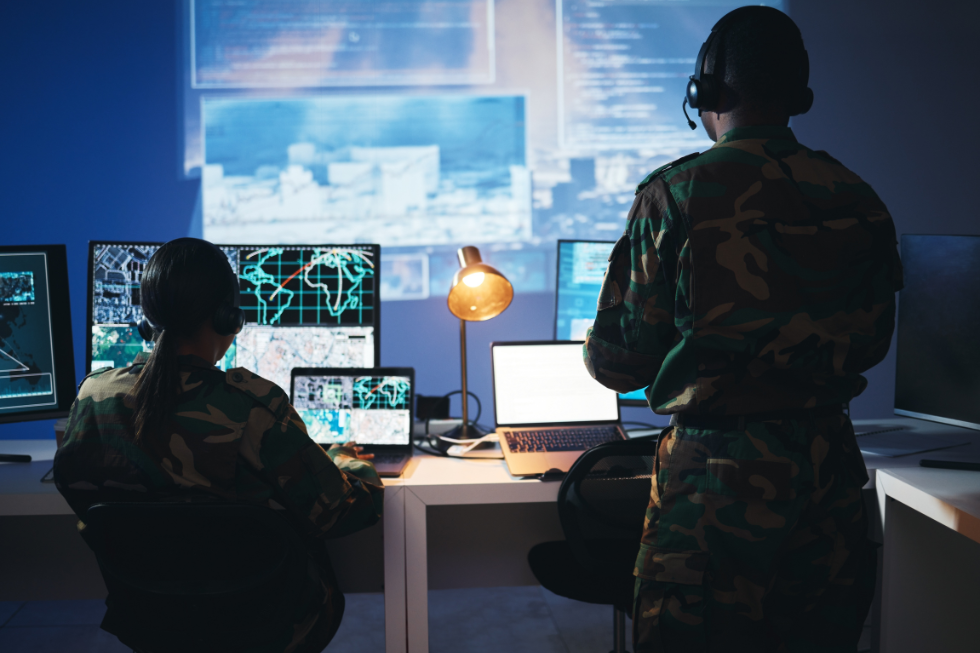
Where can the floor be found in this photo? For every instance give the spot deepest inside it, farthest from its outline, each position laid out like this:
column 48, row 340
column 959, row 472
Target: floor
column 537, row 621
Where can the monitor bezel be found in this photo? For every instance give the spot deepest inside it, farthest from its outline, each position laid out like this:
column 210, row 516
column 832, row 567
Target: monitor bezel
column 901, row 412
column 366, row 371
column 554, row 330
column 61, row 334
column 92, row 244
column 550, row 343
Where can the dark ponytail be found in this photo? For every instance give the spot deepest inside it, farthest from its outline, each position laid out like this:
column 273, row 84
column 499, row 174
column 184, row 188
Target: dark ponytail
column 183, row 284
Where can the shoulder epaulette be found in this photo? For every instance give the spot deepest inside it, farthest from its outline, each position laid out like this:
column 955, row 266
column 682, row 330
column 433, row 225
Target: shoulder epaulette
column 824, row 153
column 261, row 390
column 662, row 169
column 93, row 374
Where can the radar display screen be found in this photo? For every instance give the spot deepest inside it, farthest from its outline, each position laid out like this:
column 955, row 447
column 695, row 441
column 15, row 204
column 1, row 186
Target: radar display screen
column 305, row 306
column 369, row 410
column 36, row 361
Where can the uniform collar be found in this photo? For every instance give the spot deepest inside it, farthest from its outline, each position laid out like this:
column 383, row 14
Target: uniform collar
column 189, row 359
column 761, row 132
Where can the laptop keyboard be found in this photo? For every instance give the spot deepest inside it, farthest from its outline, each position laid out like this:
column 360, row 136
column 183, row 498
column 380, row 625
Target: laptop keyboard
column 564, row 439
column 388, row 458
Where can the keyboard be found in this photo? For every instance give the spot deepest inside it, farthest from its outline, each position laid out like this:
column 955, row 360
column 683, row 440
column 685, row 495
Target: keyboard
column 388, row 458
column 563, row 439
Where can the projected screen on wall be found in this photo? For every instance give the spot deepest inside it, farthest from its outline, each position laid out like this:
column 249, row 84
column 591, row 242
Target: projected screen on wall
column 424, row 125
column 305, row 306
column 581, row 268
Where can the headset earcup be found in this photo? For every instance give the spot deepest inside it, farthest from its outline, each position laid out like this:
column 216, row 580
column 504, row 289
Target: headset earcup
column 709, row 93
column 145, row 330
column 694, row 93
column 804, row 100
column 228, row 320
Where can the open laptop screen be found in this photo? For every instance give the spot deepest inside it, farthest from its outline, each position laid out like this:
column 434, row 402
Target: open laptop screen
column 547, row 383
column 366, row 409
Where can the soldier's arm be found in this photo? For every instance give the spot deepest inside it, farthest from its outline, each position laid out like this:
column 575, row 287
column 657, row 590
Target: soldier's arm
column 634, row 328
column 333, row 499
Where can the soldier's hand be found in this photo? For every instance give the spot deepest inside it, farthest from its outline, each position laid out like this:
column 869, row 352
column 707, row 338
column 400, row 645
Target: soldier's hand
column 356, row 449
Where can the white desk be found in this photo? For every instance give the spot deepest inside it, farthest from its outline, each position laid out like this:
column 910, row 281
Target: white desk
column 931, row 560
column 433, row 482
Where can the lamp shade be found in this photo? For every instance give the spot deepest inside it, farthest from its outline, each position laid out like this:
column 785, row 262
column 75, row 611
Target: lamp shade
column 479, row 292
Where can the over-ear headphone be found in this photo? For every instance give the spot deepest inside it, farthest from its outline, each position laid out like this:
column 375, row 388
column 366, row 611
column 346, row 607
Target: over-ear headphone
column 704, row 89
column 226, row 319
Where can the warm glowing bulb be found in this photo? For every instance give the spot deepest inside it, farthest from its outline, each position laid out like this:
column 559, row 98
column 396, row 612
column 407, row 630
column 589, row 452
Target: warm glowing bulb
column 474, row 280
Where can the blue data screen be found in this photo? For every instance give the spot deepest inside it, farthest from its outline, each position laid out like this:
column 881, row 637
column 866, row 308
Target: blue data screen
column 581, row 267
column 27, row 371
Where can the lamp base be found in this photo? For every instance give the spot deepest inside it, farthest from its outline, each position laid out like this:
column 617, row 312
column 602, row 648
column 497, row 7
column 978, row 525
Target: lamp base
column 456, row 433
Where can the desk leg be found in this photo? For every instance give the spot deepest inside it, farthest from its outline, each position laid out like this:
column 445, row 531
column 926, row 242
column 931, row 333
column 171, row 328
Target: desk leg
column 394, row 552
column 416, row 573
column 931, row 573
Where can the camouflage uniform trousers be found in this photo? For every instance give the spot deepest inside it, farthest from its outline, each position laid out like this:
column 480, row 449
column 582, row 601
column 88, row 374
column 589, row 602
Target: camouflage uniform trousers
column 756, row 540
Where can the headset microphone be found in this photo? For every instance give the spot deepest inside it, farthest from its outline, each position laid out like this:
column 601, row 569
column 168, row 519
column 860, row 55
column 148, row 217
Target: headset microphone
column 690, row 123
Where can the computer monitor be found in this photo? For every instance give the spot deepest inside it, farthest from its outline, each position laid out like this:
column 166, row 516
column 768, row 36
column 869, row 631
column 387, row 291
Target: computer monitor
column 305, row 306
column 37, row 363
column 581, row 267
column 938, row 353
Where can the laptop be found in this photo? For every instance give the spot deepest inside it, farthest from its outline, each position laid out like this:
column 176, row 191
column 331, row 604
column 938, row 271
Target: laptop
column 547, row 408
column 369, row 406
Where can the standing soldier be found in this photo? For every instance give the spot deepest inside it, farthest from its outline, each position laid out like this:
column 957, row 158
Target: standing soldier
column 753, row 286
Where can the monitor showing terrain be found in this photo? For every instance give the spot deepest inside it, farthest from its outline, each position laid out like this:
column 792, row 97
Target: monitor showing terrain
column 305, row 306
column 364, row 409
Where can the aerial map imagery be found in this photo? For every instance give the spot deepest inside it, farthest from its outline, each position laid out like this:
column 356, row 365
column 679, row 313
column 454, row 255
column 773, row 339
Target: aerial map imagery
column 305, row 306
column 364, row 409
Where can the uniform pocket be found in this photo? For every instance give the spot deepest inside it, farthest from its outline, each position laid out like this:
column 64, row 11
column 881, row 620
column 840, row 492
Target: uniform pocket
column 669, row 604
column 751, row 480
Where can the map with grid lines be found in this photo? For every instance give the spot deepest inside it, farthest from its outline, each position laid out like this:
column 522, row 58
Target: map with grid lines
column 283, row 286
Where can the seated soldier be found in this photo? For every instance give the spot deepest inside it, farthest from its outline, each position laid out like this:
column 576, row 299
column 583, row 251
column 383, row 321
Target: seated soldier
column 172, row 425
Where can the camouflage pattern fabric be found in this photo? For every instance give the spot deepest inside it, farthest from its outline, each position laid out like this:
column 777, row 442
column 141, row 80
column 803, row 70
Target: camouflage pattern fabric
column 755, row 541
column 234, row 436
column 755, row 277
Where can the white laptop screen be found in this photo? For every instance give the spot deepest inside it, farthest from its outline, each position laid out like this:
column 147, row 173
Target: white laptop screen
column 548, row 384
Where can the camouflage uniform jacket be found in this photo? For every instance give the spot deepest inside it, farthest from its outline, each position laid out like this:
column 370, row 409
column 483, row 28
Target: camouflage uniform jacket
column 234, row 436
column 758, row 276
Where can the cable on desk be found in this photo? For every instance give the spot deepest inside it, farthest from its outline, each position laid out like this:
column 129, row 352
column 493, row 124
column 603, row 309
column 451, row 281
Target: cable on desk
column 425, row 443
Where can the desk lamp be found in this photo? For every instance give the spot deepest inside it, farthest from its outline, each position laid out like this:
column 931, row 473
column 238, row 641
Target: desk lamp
column 479, row 293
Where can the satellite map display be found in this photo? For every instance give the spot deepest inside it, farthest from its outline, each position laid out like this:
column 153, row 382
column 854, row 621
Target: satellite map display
column 304, row 307
column 26, row 349
column 363, row 409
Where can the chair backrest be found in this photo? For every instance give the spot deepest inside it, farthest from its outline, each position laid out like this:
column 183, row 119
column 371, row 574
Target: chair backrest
column 189, row 576
column 602, row 503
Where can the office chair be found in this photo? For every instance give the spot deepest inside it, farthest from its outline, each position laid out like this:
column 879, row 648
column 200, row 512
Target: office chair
column 199, row 576
column 602, row 503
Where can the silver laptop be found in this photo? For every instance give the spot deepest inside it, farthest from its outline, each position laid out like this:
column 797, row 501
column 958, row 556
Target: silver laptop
column 372, row 407
column 548, row 409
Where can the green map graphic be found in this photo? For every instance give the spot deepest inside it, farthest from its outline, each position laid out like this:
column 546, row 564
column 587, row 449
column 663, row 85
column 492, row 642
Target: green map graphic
column 296, row 286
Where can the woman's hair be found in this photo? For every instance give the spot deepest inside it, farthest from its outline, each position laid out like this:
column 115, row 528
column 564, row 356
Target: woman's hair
column 183, row 285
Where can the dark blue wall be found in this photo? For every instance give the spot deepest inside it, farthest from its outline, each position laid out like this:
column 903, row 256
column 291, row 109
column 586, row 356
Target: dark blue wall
column 89, row 148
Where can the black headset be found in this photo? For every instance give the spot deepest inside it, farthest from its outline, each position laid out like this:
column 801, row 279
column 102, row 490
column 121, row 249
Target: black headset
column 226, row 320
column 704, row 89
